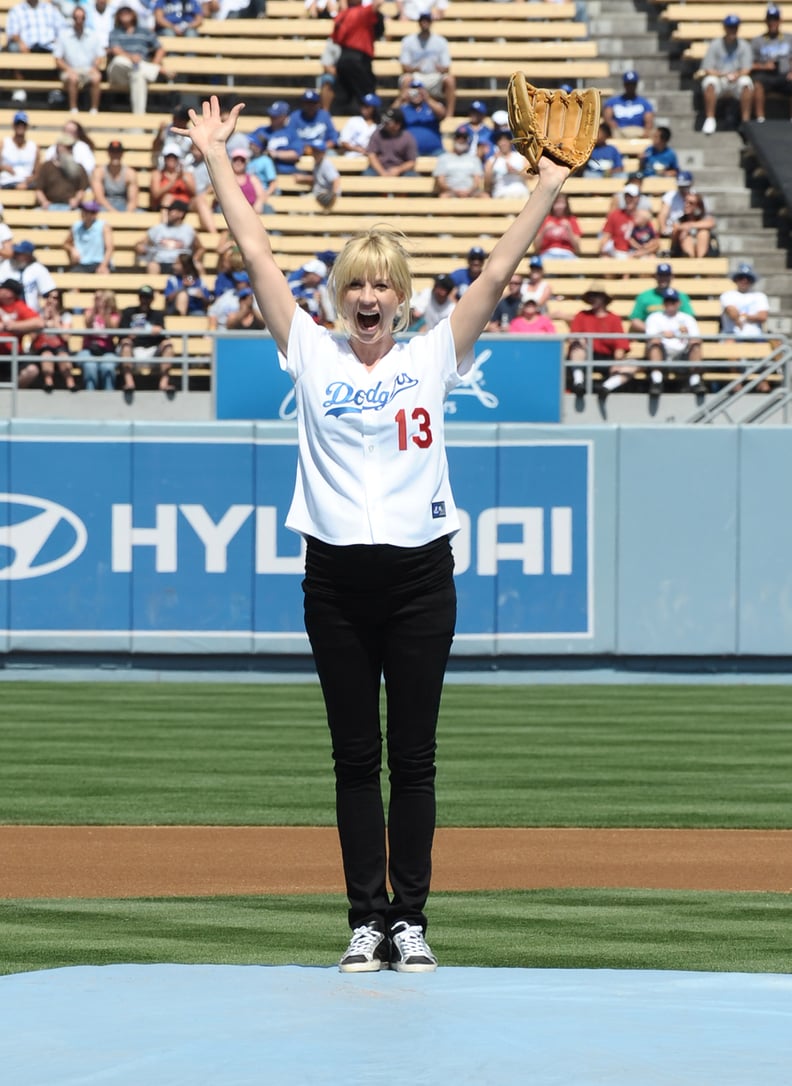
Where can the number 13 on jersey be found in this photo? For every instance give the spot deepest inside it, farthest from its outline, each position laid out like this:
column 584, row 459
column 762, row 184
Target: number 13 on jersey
column 416, row 429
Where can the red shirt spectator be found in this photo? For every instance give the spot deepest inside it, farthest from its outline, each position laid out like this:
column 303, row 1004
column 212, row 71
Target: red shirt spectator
column 559, row 235
column 16, row 317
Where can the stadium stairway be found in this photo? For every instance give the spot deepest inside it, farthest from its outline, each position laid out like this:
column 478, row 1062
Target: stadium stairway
column 630, row 34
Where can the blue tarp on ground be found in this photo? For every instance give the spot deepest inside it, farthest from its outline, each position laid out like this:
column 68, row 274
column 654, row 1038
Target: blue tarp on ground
column 174, row 1025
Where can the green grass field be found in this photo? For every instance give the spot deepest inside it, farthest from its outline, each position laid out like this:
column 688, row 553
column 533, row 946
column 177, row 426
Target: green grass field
column 217, row 754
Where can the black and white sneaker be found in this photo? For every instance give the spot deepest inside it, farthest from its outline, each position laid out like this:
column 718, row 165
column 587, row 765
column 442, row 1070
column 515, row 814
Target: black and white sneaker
column 410, row 953
column 368, row 951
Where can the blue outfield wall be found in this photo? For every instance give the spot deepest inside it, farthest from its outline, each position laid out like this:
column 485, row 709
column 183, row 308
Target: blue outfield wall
column 169, row 538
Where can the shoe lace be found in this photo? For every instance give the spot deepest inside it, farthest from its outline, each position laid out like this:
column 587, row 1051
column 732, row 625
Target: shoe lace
column 411, row 942
column 363, row 940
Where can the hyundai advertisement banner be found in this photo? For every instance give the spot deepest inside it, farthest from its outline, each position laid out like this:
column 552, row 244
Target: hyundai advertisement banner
column 183, row 539
column 513, row 379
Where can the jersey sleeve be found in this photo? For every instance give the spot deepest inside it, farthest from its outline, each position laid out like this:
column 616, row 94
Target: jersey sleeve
column 305, row 338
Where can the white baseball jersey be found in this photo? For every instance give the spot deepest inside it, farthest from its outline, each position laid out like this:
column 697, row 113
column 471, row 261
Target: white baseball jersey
column 682, row 328
column 372, row 465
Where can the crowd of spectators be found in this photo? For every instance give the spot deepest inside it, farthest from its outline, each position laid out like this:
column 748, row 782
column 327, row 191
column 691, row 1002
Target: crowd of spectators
column 475, row 159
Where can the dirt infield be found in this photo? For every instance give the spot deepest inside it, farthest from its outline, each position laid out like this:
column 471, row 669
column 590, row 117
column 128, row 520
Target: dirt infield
column 135, row 861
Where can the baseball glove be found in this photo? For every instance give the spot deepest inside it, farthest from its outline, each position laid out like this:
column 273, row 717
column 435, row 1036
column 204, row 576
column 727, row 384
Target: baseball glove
column 553, row 123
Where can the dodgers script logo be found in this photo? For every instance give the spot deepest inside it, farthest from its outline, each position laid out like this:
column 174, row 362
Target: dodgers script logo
column 343, row 398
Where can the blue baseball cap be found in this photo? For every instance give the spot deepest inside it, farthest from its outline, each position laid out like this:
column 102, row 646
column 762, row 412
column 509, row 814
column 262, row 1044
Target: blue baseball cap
column 671, row 295
column 327, row 256
column 731, row 21
column 244, row 293
column 744, row 271
column 476, row 253
column 310, row 96
column 684, row 177
column 21, row 118
column 630, row 76
column 567, row 88
column 278, row 109
column 478, row 106
column 772, row 12
column 240, row 277
column 371, row 100
column 536, row 262
column 664, row 269
column 26, row 247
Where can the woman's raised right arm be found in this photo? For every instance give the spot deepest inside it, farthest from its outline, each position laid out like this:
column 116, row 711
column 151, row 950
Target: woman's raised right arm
column 209, row 132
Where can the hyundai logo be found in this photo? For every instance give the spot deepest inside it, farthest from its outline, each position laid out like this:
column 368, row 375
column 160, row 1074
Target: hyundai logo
column 37, row 537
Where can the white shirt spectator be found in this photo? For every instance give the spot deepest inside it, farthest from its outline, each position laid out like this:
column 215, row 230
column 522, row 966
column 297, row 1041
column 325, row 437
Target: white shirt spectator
column 21, row 160
column 424, row 304
column 748, row 304
column 681, row 326
column 359, row 131
column 35, row 278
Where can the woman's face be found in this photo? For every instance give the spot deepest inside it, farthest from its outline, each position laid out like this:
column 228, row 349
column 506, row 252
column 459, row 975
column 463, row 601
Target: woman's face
column 559, row 206
column 369, row 307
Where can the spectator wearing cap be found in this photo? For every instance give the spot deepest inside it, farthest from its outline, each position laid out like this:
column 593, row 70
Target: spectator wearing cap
column 312, row 294
column 428, row 56
column 177, row 18
column 135, row 58
column 309, row 122
column 651, row 300
column 392, row 151
column 744, row 310
column 161, row 243
column 616, row 231
column 226, row 302
column 17, row 320
column 529, row 321
column 536, row 285
column 726, row 73
column 82, row 147
column 358, row 130
column 19, row 155
column 61, row 182
column 629, row 114
column 79, row 57
column 480, row 132
column 559, row 235
column 510, row 305
column 355, row 30
column 504, row 170
column 672, row 204
column 771, row 68
column 659, row 159
column 36, row 279
column 249, row 183
column 463, row 277
column 432, row 304
column 602, row 339
column 672, row 336
column 283, row 145
column 147, row 341
column 89, row 243
column 168, row 132
column 173, row 181
column 458, row 173
column 605, row 159
column 247, row 316
column 115, row 185
column 422, row 116
column 324, row 179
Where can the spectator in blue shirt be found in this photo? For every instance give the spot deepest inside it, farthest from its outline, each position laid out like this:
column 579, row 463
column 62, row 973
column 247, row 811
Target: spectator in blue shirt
column 605, row 160
column 262, row 166
column 310, row 122
column 628, row 113
column 283, row 145
column 659, row 158
column 463, row 277
column 177, row 18
column 422, row 116
column 481, row 136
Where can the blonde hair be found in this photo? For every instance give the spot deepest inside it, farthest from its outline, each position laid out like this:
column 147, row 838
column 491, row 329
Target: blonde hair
column 378, row 253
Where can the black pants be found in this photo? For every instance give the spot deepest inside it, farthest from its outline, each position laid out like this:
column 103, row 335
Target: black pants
column 374, row 612
column 354, row 79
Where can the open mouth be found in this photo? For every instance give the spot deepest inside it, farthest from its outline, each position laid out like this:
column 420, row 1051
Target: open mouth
column 368, row 320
